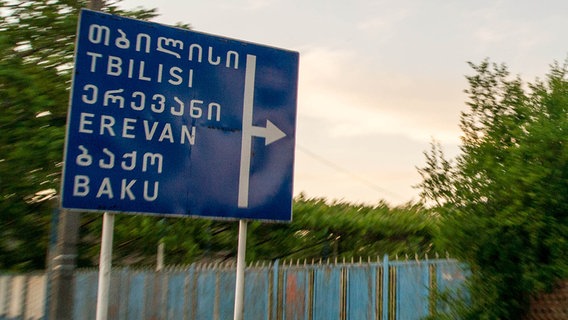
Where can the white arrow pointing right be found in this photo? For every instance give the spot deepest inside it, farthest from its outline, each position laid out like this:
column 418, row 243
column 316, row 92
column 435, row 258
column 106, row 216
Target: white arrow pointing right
column 270, row 133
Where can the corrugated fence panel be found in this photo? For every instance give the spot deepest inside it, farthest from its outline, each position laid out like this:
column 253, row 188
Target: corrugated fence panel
column 380, row 290
column 451, row 275
column 275, row 292
column 122, row 293
column 412, row 289
column 191, row 285
column 135, row 296
column 155, row 302
column 206, row 279
column 327, row 292
column 450, row 280
column 114, row 298
column 85, row 306
column 176, row 295
column 362, row 292
column 226, row 293
column 257, row 294
column 296, row 293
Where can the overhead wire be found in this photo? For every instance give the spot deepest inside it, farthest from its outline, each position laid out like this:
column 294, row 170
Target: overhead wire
column 347, row 172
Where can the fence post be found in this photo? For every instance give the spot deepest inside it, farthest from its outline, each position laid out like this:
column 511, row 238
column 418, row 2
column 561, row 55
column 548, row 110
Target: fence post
column 275, row 290
column 385, row 287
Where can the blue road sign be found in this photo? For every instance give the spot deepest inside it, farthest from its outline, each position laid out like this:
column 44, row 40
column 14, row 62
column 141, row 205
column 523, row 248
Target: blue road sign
column 168, row 121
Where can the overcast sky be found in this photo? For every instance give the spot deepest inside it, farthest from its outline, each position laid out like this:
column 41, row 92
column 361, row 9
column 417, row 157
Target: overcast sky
column 380, row 79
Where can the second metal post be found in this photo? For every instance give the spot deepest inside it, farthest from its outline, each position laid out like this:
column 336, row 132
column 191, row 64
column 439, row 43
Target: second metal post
column 241, row 264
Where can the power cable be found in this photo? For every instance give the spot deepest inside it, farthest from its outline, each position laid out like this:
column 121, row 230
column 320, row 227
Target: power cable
column 341, row 169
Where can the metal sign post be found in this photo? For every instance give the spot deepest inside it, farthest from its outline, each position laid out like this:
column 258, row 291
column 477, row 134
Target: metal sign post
column 105, row 265
column 173, row 122
column 241, row 265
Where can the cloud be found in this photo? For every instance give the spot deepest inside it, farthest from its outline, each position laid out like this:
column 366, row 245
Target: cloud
column 258, row 4
column 521, row 27
column 382, row 21
column 354, row 97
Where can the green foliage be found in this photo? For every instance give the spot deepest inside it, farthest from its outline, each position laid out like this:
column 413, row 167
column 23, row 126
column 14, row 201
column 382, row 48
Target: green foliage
column 343, row 230
column 503, row 202
column 36, row 54
column 319, row 230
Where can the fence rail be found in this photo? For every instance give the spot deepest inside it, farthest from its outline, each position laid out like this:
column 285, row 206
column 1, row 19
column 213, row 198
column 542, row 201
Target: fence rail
column 279, row 291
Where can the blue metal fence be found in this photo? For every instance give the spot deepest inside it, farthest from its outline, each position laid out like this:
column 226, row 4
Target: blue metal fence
column 382, row 289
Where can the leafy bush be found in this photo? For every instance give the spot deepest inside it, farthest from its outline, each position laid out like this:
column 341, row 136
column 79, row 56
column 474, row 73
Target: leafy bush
column 503, row 202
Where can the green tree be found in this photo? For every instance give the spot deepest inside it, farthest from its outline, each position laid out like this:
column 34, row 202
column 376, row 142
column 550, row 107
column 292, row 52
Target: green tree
column 36, row 55
column 503, row 202
column 320, row 229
